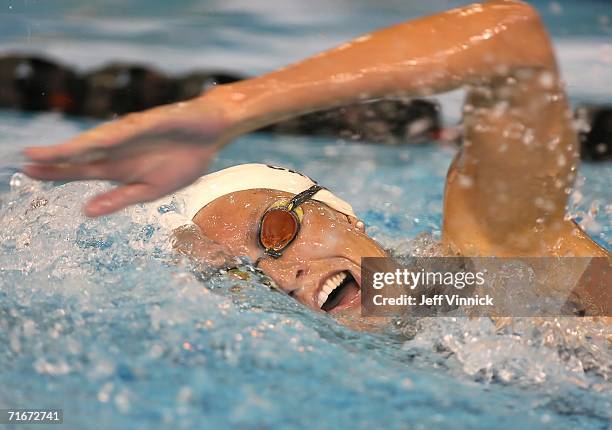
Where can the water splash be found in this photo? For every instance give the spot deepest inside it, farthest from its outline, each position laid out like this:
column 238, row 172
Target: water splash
column 106, row 309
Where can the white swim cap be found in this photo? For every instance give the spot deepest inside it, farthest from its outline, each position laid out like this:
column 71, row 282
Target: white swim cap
column 246, row 177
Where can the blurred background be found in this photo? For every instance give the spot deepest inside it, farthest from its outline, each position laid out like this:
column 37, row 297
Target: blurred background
column 252, row 37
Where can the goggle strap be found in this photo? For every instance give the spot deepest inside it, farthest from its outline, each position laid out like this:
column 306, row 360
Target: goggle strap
column 305, row 195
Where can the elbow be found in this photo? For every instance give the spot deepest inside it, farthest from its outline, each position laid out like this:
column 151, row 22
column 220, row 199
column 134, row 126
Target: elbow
column 527, row 16
column 527, row 36
column 521, row 8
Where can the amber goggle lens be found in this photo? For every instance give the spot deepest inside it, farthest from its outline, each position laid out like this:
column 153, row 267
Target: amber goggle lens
column 278, row 228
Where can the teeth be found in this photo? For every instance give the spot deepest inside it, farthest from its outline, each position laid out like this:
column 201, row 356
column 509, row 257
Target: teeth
column 330, row 285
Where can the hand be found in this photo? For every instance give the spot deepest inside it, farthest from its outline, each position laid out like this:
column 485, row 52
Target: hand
column 150, row 154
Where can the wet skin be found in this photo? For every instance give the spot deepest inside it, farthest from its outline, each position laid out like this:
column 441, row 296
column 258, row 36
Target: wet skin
column 328, row 243
column 506, row 191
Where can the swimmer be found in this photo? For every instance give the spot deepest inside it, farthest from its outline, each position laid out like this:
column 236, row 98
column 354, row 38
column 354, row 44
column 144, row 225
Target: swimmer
column 506, row 189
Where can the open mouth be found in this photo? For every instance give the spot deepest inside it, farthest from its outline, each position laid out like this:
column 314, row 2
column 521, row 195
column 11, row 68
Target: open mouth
column 339, row 291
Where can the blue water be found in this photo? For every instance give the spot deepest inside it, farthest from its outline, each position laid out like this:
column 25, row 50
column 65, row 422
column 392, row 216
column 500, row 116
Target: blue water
column 100, row 318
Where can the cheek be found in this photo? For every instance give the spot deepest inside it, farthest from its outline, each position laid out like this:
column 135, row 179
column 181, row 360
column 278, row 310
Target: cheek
column 241, row 239
column 322, row 236
column 329, row 235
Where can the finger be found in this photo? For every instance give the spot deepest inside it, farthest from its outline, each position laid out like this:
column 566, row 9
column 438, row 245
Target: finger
column 87, row 143
column 69, row 172
column 118, row 199
column 94, row 145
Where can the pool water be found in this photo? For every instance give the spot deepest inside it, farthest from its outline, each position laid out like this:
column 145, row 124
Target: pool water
column 100, row 318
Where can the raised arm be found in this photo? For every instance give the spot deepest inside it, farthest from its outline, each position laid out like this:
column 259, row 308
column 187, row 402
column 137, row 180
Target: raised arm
column 474, row 44
column 161, row 150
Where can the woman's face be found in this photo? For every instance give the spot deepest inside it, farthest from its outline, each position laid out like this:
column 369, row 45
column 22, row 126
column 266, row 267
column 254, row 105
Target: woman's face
column 320, row 268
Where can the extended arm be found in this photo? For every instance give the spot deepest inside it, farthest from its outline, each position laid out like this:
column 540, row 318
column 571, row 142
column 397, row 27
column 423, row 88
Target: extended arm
column 470, row 45
column 158, row 151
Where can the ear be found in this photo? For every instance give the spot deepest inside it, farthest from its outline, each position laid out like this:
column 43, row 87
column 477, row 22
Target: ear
column 189, row 240
column 357, row 223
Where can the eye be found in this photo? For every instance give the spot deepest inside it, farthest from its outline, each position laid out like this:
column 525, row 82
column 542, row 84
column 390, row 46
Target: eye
column 278, row 228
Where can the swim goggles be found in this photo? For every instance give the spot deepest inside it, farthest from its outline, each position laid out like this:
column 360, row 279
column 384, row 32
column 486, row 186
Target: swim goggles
column 280, row 223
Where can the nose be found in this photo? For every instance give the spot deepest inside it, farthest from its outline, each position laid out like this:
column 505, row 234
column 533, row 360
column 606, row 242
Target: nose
column 288, row 275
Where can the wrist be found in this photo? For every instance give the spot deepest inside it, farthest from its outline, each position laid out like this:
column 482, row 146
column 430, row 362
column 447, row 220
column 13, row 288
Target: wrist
column 237, row 106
